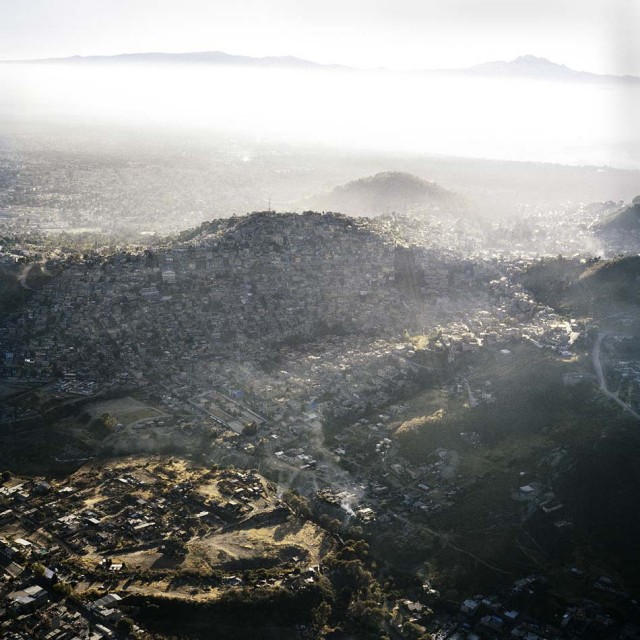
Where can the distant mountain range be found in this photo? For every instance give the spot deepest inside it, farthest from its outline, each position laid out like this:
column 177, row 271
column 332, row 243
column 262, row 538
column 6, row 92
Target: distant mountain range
column 197, row 57
column 534, row 67
column 527, row 66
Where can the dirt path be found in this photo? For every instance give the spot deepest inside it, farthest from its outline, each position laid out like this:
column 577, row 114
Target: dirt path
column 450, row 544
column 597, row 365
column 23, row 275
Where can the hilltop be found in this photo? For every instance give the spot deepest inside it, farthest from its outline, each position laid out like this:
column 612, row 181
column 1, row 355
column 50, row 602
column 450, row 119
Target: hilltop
column 385, row 192
column 611, row 284
column 260, row 226
column 525, row 66
column 537, row 67
column 532, row 68
column 596, row 287
column 622, row 220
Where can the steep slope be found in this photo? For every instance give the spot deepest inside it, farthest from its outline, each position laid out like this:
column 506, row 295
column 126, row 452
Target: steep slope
column 622, row 220
column 612, row 285
column 597, row 288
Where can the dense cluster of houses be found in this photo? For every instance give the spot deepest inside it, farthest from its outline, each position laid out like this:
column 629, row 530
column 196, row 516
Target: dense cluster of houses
column 44, row 525
column 247, row 286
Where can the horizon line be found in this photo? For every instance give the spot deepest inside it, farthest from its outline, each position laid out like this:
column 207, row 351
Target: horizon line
column 476, row 67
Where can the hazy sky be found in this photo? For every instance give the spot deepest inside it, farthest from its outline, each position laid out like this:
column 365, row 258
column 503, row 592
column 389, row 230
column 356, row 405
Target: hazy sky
column 593, row 35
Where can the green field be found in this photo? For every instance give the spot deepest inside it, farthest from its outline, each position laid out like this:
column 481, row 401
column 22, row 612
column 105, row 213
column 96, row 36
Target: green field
column 126, row 410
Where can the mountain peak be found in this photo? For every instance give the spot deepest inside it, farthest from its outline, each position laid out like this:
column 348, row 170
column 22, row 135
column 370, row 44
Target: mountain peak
column 530, row 59
column 536, row 67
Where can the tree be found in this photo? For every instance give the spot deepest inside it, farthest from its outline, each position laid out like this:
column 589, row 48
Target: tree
column 351, row 575
column 250, row 429
column 412, row 631
column 108, row 422
column 6, row 476
column 355, row 532
column 124, row 626
column 62, row 588
column 334, row 526
column 299, row 504
column 175, row 548
column 320, row 615
column 367, row 614
column 354, row 549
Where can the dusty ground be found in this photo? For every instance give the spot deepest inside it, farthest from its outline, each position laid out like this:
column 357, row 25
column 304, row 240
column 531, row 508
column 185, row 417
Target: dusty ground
column 264, row 537
column 126, row 410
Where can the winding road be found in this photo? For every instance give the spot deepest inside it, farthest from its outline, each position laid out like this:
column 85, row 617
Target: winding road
column 597, row 365
column 23, row 276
